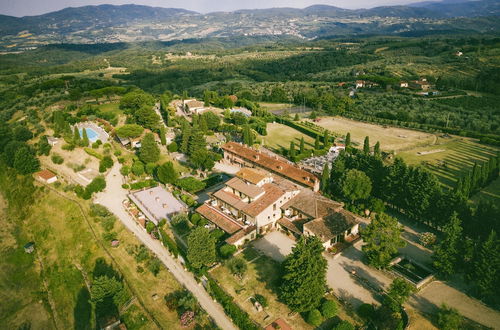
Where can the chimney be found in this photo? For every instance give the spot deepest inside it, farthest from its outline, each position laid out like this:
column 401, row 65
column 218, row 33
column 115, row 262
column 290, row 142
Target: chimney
column 164, row 206
column 157, row 199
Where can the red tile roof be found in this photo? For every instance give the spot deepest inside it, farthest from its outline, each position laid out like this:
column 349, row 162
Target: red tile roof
column 45, row 174
column 279, row 324
column 263, row 160
column 272, row 195
column 219, row 219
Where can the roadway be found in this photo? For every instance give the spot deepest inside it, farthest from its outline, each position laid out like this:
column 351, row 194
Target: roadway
column 112, row 198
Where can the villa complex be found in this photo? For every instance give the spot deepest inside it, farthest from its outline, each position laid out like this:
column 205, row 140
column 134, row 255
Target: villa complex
column 256, row 201
column 236, row 153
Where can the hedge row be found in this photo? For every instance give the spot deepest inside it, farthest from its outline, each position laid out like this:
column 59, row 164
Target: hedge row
column 94, row 153
column 306, row 130
column 239, row 317
column 169, row 243
column 143, row 184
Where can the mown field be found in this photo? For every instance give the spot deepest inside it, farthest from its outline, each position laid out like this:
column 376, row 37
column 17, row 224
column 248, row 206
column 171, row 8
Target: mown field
column 70, row 254
column 279, row 136
column 390, row 138
column 450, row 158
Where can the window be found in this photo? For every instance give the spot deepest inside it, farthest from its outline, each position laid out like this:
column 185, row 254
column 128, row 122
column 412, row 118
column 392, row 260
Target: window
column 274, row 207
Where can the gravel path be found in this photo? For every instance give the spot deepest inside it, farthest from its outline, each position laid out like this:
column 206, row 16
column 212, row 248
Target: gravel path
column 112, row 198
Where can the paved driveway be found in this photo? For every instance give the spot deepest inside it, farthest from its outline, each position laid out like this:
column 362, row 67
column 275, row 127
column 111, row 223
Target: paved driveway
column 275, row 245
column 112, row 198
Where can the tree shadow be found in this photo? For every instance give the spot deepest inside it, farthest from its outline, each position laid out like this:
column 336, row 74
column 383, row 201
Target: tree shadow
column 83, row 310
column 268, row 271
column 102, row 268
column 349, row 299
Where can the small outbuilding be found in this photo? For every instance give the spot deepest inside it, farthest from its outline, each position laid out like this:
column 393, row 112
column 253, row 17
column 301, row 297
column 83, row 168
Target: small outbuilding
column 46, row 176
column 29, row 247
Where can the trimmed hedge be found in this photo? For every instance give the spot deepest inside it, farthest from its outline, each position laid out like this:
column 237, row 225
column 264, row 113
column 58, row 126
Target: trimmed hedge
column 143, row 184
column 169, row 243
column 239, row 317
column 94, row 153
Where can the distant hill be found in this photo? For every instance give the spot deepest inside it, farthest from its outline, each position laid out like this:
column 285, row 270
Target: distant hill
column 129, row 23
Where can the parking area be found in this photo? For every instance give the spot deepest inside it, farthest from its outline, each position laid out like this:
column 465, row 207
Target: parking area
column 275, row 244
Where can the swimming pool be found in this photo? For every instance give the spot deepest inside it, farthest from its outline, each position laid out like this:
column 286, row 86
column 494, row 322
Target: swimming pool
column 91, row 134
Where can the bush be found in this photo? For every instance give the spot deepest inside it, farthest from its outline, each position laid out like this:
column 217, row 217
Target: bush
column 366, row 311
column 190, row 184
column 150, row 167
column 227, row 250
column 261, row 300
column 427, row 239
column 125, row 186
column 188, row 200
column 143, row 184
column 105, row 163
column 217, row 234
column 97, row 210
column 68, row 146
column 154, row 266
column 108, row 223
column 328, row 309
column 314, row 318
column 125, row 170
column 169, row 243
column 344, row 325
column 195, row 218
column 138, row 168
column 172, row 147
column 237, row 266
column 449, row 318
column 93, row 153
column 57, row 159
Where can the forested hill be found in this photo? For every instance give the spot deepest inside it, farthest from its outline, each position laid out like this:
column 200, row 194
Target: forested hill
column 128, row 23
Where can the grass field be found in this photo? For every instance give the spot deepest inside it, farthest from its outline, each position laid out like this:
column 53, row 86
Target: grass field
column 274, row 106
column 262, row 277
column 279, row 136
column 68, row 251
column 113, row 107
column 390, row 138
column 449, row 158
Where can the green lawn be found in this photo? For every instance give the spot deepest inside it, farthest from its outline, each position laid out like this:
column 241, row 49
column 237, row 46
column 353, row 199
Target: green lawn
column 450, row 158
column 279, row 136
column 113, row 107
column 262, row 277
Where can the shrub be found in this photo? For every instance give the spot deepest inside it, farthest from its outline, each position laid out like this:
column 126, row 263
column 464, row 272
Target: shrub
column 68, row 146
column 237, row 266
column 314, row 318
column 328, row 309
column 344, row 325
column 110, row 236
column 427, row 239
column 125, row 170
column 217, row 234
column 366, row 311
column 190, row 184
column 227, row 250
column 99, row 211
column 188, row 200
column 138, row 168
column 108, row 223
column 154, row 266
column 169, row 243
column 125, row 186
column 449, row 318
column 150, row 227
column 93, row 153
column 195, row 218
column 261, row 300
column 150, row 167
column 57, row 159
column 172, row 147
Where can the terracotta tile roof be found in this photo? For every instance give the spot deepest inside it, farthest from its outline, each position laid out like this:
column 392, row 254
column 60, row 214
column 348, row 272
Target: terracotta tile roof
column 230, row 199
column 313, row 204
column 251, row 175
column 250, row 190
column 219, row 219
column 274, row 165
column 332, row 225
column 45, row 174
column 285, row 222
column 278, row 324
column 195, row 104
column 272, row 195
column 239, row 235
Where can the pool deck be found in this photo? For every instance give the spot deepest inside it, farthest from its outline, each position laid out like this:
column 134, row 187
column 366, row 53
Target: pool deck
column 101, row 133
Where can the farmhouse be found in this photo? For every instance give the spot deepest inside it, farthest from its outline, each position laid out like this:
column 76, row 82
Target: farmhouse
column 46, row 176
column 243, row 156
column 52, row 140
column 421, row 84
column 194, row 106
column 256, row 202
column 157, row 203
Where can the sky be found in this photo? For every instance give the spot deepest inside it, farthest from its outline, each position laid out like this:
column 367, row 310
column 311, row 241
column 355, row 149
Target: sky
column 36, row 7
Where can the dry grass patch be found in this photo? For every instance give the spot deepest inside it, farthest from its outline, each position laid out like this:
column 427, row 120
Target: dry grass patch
column 390, row 138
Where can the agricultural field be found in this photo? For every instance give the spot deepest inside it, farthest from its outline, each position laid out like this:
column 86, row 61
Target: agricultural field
column 70, row 253
column 449, row 158
column 390, row 138
column 279, row 136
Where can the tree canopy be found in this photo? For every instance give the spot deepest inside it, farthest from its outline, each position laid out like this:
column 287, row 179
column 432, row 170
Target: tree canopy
column 150, row 152
column 201, row 248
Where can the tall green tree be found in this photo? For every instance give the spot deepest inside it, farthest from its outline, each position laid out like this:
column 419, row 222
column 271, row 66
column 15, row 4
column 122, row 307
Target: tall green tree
column 347, row 140
column 25, row 161
column 163, row 138
column 302, row 147
column 85, row 138
column 201, row 248
column 399, row 292
column 376, row 149
column 149, row 152
column 166, row 173
column 486, row 268
column 447, row 252
column 76, row 136
column 129, row 131
column 292, row 150
column 317, row 143
column 186, row 134
column 355, row 185
column 326, row 139
column 304, row 275
column 366, row 146
column 325, row 178
column 196, row 141
column 383, row 239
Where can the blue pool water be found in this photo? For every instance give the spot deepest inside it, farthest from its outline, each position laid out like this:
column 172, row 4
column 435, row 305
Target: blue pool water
column 91, row 134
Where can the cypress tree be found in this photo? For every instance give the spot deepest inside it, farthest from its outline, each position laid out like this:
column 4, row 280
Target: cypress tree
column 446, row 254
column 326, row 139
column 162, row 136
column 347, row 140
column 366, row 146
column 186, row 133
column 316, row 142
column 196, row 141
column 203, row 124
column 302, row 146
column 292, row 150
column 325, row 178
column 486, row 269
column 376, row 149
column 76, row 136
column 149, row 152
column 85, row 138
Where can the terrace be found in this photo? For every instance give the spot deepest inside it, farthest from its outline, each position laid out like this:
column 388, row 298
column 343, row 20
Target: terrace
column 94, row 131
